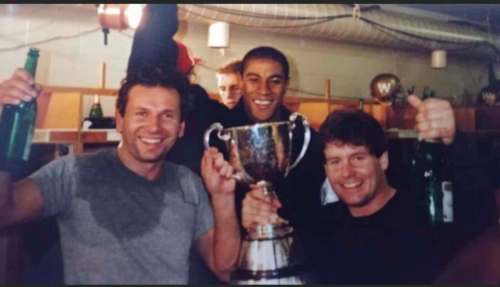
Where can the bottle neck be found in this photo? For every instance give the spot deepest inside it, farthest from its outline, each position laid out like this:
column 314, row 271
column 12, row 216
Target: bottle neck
column 32, row 61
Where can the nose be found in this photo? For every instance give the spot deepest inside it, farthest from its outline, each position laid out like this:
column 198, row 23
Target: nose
column 263, row 88
column 346, row 170
column 154, row 124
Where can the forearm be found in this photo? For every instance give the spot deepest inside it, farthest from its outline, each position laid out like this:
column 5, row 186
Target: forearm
column 227, row 238
column 6, row 197
column 153, row 43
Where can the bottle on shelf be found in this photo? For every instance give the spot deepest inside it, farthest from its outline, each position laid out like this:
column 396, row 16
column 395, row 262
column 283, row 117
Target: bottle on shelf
column 96, row 109
column 17, row 124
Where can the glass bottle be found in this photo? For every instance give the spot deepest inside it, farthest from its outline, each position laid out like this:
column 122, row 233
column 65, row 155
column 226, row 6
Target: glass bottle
column 431, row 182
column 96, row 109
column 17, row 124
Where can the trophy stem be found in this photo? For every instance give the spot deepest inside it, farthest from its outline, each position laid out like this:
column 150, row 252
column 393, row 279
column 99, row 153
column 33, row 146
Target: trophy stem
column 266, row 230
column 269, row 253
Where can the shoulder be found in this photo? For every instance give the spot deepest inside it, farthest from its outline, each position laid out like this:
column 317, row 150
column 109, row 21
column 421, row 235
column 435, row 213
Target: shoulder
column 190, row 183
column 90, row 159
column 62, row 163
column 179, row 170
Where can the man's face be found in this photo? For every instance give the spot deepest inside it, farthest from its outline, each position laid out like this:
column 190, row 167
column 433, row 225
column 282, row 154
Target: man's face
column 356, row 176
column 151, row 124
column 229, row 89
column 264, row 86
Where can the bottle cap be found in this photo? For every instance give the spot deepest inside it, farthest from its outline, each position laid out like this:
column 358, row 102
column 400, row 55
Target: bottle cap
column 34, row 52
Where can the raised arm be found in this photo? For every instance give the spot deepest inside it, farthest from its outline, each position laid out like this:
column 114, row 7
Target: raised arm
column 220, row 246
column 434, row 119
column 21, row 201
column 153, row 42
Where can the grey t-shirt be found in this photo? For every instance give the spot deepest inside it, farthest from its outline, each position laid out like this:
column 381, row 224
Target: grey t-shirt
column 119, row 228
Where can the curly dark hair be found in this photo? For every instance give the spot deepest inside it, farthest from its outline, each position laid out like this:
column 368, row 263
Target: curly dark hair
column 266, row 53
column 151, row 76
column 354, row 127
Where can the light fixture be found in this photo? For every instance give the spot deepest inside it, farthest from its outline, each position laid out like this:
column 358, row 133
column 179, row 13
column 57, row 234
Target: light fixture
column 438, row 59
column 111, row 16
column 119, row 17
column 133, row 14
column 218, row 35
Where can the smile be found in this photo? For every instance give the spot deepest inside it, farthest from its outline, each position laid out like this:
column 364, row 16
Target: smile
column 352, row 184
column 264, row 103
column 151, row 140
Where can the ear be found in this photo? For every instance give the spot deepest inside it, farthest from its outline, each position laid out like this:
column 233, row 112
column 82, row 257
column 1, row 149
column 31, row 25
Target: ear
column 181, row 129
column 384, row 160
column 118, row 121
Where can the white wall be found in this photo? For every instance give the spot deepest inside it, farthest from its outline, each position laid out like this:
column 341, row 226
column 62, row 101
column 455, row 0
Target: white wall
column 76, row 61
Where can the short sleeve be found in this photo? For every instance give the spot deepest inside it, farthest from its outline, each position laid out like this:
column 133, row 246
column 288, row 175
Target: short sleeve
column 56, row 181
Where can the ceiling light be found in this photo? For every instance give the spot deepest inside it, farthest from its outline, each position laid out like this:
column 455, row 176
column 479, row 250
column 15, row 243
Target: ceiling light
column 438, row 59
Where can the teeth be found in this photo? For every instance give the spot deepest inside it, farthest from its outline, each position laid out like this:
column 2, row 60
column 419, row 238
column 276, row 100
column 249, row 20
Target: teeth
column 262, row 102
column 151, row 141
column 352, row 184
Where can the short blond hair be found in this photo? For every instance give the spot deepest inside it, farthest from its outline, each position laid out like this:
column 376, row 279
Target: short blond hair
column 233, row 67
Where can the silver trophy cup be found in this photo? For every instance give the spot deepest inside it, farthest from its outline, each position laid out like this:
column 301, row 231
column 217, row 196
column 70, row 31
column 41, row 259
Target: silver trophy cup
column 261, row 154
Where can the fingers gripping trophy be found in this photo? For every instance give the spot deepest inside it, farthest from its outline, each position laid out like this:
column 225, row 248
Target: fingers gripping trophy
column 262, row 154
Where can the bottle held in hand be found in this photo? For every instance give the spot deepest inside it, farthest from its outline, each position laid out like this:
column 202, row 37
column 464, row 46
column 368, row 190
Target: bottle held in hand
column 431, row 181
column 17, row 124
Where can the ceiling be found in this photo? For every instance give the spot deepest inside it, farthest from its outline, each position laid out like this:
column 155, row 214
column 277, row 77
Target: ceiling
column 478, row 13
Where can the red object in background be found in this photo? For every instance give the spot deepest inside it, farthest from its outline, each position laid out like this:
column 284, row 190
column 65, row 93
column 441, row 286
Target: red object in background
column 184, row 61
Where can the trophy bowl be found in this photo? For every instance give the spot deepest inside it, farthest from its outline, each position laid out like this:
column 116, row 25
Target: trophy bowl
column 261, row 152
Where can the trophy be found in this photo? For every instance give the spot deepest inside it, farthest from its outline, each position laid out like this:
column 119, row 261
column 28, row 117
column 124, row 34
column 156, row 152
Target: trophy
column 261, row 154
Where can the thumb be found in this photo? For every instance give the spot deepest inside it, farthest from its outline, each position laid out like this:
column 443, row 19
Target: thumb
column 414, row 101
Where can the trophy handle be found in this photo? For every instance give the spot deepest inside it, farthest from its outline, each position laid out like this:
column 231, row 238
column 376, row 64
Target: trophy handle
column 307, row 139
column 220, row 134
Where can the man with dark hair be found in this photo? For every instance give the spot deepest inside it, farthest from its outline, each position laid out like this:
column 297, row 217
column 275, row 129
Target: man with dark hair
column 264, row 82
column 153, row 45
column 371, row 235
column 228, row 83
column 265, row 78
column 126, row 215
column 373, row 231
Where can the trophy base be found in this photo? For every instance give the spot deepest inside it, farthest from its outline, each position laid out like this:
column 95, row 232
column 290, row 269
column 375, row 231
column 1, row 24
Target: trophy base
column 270, row 255
column 293, row 275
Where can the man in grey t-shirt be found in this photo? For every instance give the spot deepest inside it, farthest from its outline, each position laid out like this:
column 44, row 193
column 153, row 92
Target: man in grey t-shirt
column 126, row 215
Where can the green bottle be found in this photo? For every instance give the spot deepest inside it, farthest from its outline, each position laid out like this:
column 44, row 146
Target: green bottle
column 431, row 183
column 17, row 124
column 96, row 109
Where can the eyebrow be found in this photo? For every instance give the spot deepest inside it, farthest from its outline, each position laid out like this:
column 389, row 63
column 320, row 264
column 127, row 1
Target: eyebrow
column 257, row 75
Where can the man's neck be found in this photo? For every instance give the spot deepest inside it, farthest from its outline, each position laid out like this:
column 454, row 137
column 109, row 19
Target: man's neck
column 375, row 204
column 274, row 118
column 149, row 171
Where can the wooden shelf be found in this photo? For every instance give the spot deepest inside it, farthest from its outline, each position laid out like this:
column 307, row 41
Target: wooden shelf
column 74, row 136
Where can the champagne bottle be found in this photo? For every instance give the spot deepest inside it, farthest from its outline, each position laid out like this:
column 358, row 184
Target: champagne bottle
column 96, row 109
column 17, row 124
column 431, row 182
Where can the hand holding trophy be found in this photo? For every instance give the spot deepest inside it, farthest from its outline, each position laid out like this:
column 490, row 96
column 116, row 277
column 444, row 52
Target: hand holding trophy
column 261, row 154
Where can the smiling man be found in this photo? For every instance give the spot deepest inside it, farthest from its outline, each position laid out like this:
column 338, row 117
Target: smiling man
column 265, row 78
column 126, row 215
column 370, row 236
